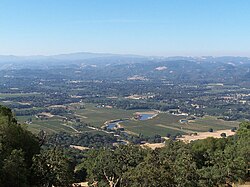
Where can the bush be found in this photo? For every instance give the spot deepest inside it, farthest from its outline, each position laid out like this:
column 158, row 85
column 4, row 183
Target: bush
column 223, row 135
column 210, row 130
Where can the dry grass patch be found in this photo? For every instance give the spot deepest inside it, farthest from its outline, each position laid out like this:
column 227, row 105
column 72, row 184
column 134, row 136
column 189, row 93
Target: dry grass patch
column 204, row 135
column 153, row 145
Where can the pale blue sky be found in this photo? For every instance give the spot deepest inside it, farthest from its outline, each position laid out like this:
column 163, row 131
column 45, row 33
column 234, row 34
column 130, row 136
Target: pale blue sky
column 146, row 27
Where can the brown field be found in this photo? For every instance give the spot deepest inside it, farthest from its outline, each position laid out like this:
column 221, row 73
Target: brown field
column 153, row 145
column 81, row 148
column 247, row 184
column 204, row 135
column 189, row 138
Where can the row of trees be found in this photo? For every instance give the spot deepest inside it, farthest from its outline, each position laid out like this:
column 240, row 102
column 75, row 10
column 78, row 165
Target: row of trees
column 91, row 140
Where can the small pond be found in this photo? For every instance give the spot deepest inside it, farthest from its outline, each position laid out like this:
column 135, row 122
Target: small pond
column 145, row 116
column 184, row 121
column 113, row 124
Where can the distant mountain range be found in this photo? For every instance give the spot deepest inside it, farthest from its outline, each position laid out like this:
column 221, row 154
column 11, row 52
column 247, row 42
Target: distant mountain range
column 133, row 67
column 11, row 61
column 64, row 57
column 88, row 55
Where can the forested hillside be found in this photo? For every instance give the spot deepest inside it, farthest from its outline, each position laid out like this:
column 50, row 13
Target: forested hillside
column 209, row 162
column 26, row 161
column 23, row 162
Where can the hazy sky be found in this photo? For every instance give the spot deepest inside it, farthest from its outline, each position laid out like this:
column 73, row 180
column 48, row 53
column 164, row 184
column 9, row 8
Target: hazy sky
column 147, row 27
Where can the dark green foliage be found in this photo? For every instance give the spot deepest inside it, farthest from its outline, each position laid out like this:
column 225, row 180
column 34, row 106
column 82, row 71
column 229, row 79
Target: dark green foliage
column 51, row 167
column 91, row 140
column 210, row 130
column 14, row 170
column 17, row 147
column 22, row 164
column 108, row 165
column 223, row 135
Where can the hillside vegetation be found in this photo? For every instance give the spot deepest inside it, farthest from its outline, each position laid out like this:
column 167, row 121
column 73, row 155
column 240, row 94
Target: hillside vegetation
column 23, row 162
column 209, row 162
column 26, row 160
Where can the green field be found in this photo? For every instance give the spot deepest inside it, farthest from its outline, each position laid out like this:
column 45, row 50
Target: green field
column 3, row 95
column 166, row 123
column 202, row 124
column 98, row 116
column 51, row 125
column 162, row 124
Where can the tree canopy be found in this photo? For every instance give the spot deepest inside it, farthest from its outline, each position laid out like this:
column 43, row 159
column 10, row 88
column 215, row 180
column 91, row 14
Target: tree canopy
column 208, row 162
column 21, row 156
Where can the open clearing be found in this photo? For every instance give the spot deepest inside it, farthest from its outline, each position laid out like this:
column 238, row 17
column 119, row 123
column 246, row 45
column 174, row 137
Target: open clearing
column 153, row 145
column 204, row 135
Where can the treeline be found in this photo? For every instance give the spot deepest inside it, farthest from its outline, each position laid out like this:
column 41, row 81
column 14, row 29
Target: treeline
column 130, row 104
column 32, row 111
column 91, row 140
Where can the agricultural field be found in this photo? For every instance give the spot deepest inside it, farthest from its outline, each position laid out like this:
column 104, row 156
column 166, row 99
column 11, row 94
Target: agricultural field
column 96, row 116
column 51, row 125
column 166, row 123
column 162, row 124
column 206, row 122
column 91, row 115
column 14, row 95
